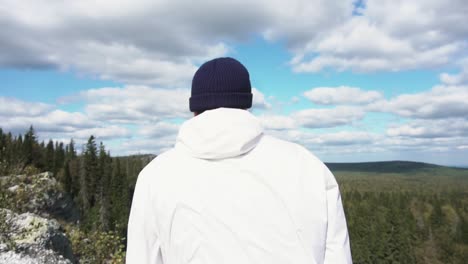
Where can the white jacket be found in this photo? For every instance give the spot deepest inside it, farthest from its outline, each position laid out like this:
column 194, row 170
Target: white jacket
column 228, row 193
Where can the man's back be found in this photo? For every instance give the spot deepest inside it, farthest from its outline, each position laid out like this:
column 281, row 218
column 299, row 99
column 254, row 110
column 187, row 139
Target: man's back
column 228, row 193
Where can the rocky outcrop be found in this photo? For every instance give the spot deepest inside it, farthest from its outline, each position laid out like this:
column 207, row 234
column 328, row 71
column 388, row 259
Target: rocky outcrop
column 30, row 234
column 29, row 239
column 40, row 194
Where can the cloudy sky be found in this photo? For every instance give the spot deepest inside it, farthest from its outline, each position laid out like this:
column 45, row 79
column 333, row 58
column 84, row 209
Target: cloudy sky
column 350, row 80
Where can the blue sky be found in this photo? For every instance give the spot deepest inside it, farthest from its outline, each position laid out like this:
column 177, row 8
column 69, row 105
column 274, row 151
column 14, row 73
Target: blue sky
column 352, row 81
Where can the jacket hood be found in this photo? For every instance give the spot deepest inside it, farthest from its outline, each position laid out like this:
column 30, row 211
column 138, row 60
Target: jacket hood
column 219, row 133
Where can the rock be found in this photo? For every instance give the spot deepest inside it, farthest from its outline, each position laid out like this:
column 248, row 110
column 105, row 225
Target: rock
column 41, row 194
column 29, row 238
column 46, row 257
column 13, row 188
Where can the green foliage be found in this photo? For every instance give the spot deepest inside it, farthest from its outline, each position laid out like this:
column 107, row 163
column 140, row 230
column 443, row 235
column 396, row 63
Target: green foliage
column 50, row 157
column 120, row 200
column 91, row 171
column 97, row 246
column 100, row 185
column 31, row 170
column 418, row 216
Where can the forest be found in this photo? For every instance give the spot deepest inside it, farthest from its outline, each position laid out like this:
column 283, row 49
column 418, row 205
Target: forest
column 397, row 212
column 415, row 213
column 100, row 186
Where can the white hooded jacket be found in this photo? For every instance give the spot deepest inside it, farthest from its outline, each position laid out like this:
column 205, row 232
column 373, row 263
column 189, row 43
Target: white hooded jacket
column 228, row 193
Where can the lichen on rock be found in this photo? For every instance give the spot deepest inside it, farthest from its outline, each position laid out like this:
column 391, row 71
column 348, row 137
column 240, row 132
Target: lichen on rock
column 29, row 238
column 40, row 194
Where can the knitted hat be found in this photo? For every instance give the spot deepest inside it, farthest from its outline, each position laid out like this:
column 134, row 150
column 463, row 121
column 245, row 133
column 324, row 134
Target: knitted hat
column 222, row 82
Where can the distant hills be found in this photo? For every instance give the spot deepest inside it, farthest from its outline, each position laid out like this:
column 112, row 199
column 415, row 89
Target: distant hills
column 395, row 166
column 386, row 166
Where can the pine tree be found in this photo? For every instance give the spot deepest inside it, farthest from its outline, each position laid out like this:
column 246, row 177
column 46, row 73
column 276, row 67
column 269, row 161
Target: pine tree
column 71, row 152
column 105, row 171
column 67, row 180
column 83, row 194
column 2, row 142
column 17, row 158
column 74, row 165
column 50, row 157
column 3, row 152
column 8, row 154
column 120, row 198
column 91, row 170
column 30, row 150
column 59, row 157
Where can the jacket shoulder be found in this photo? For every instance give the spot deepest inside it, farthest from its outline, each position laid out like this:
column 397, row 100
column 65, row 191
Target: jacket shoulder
column 289, row 148
column 156, row 164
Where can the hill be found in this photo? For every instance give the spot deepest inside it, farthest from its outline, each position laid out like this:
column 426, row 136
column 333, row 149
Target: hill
column 397, row 166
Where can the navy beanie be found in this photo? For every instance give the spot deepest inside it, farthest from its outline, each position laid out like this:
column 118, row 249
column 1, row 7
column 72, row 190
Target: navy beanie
column 222, row 82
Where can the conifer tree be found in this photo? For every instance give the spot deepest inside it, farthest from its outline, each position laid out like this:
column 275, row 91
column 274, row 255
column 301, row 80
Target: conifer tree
column 3, row 152
column 71, row 152
column 49, row 156
column 2, row 143
column 91, row 170
column 105, row 171
column 29, row 146
column 59, row 156
column 67, row 180
column 8, row 153
column 120, row 197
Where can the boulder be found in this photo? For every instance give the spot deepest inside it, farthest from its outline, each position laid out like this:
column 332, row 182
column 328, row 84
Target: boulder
column 29, row 238
column 40, row 194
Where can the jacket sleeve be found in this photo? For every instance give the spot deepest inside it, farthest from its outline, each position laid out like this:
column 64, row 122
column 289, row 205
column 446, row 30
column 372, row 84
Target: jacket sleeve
column 337, row 245
column 143, row 245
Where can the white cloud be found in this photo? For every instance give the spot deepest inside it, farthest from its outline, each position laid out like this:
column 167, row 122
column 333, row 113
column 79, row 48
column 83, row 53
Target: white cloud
column 298, row 22
column 258, row 99
column 101, row 133
column 277, row 122
column 328, row 117
column 346, row 138
column 341, row 95
column 424, row 145
column 140, row 112
column 135, row 104
column 418, row 37
column 15, row 107
column 452, row 127
column 161, row 42
column 129, row 41
column 54, row 121
column 440, row 102
column 334, row 142
column 459, row 78
column 146, row 145
column 340, row 139
column 142, row 104
column 150, row 42
column 159, row 129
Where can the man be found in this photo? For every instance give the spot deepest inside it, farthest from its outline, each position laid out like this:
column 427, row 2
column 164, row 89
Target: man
column 228, row 193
